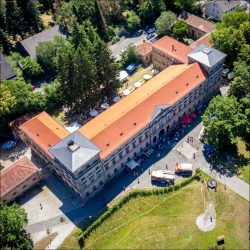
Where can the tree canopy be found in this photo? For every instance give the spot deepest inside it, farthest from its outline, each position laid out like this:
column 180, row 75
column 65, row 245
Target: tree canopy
column 133, row 21
column 12, row 233
column 30, row 66
column 165, row 22
column 180, row 29
column 224, row 122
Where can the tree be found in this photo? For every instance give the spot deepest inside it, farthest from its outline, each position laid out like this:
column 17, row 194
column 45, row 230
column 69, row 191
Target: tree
column 239, row 88
column 14, row 18
column 146, row 12
column 31, row 68
column 36, row 101
column 129, row 56
column 242, row 70
column 46, row 53
column 12, row 233
column 65, row 75
column 165, row 22
column 187, row 5
column 66, row 17
column 21, row 91
column 52, row 95
column 133, row 21
column 224, row 122
column 180, row 29
column 7, row 100
column 107, row 69
column 233, row 19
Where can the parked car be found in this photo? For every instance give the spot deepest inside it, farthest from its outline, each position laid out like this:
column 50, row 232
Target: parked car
column 225, row 72
column 8, row 145
column 121, row 52
column 139, row 32
column 150, row 36
column 151, row 30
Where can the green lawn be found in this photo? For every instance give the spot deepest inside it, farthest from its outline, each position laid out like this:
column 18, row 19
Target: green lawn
column 171, row 225
column 244, row 171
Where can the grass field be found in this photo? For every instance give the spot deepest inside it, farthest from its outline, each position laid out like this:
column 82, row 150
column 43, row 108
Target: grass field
column 171, row 225
column 244, row 171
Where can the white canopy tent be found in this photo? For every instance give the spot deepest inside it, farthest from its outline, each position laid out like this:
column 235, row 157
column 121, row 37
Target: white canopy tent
column 93, row 113
column 137, row 84
column 105, row 105
column 132, row 165
column 116, row 99
column 126, row 92
column 122, row 75
column 147, row 77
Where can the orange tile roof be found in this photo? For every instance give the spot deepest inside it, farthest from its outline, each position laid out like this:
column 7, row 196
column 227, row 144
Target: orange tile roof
column 202, row 40
column 16, row 174
column 144, row 48
column 113, row 127
column 199, row 23
column 44, row 131
column 179, row 51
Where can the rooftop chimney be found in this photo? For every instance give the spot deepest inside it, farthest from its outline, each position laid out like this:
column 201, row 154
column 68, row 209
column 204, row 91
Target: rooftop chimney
column 72, row 146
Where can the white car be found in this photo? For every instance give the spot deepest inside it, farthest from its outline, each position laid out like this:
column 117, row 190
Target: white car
column 121, row 52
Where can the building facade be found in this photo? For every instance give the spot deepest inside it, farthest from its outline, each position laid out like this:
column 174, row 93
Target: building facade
column 217, row 8
column 197, row 26
column 168, row 51
column 97, row 152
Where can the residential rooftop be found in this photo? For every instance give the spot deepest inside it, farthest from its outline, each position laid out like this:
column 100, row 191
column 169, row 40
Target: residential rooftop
column 115, row 126
column 29, row 44
column 16, row 174
column 144, row 48
column 44, row 131
column 173, row 48
column 197, row 22
column 6, row 71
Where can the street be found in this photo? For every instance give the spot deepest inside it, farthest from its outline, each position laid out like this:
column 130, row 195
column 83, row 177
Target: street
column 124, row 43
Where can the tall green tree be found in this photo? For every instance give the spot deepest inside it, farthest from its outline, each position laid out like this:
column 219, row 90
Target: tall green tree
column 106, row 68
column 133, row 21
column 14, row 18
column 12, row 233
column 31, row 68
column 7, row 101
column 21, row 91
column 30, row 14
column 180, row 29
column 165, row 22
column 66, row 75
column 224, row 122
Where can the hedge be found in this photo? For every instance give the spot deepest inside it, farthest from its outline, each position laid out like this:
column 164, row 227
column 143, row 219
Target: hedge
column 134, row 194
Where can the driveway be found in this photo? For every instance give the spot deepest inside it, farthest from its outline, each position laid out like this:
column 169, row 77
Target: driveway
column 124, row 43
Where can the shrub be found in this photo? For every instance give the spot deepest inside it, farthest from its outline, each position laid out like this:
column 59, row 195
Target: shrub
column 30, row 67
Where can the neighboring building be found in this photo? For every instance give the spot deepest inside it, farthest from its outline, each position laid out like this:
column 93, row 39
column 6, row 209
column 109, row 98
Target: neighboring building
column 17, row 179
column 42, row 132
column 202, row 40
column 100, row 150
column 28, row 46
column 217, row 8
column 197, row 26
column 6, row 71
column 168, row 51
column 144, row 50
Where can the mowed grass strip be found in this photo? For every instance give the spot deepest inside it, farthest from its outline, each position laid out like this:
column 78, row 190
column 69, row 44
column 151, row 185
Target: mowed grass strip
column 172, row 224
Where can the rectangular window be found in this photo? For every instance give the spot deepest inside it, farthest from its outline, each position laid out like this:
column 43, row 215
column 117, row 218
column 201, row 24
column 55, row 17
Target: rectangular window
column 140, row 139
column 91, row 178
column 120, row 155
column 133, row 144
column 127, row 150
column 113, row 161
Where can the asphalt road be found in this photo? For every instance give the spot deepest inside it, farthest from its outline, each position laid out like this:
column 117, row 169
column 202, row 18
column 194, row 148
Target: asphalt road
column 124, row 43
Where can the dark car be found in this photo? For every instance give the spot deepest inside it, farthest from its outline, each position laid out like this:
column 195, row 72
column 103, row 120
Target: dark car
column 139, row 32
column 151, row 30
column 150, row 36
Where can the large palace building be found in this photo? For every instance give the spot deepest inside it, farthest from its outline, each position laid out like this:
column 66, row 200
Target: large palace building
column 91, row 156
